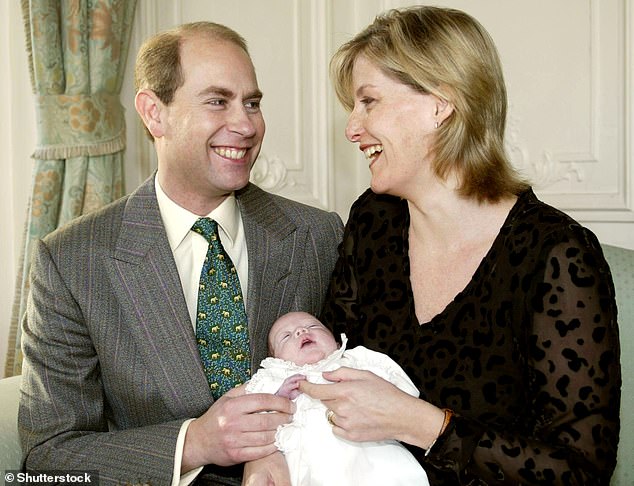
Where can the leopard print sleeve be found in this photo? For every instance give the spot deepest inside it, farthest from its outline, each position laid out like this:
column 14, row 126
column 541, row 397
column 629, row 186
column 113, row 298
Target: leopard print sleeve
column 569, row 431
column 574, row 364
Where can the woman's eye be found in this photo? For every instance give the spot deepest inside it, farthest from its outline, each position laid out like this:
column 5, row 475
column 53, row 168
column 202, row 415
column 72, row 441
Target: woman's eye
column 366, row 100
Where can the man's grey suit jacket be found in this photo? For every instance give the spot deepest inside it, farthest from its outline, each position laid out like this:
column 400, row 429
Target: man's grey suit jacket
column 111, row 368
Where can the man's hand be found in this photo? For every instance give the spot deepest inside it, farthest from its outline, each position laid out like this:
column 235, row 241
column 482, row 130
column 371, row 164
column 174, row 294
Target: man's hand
column 234, row 430
column 271, row 470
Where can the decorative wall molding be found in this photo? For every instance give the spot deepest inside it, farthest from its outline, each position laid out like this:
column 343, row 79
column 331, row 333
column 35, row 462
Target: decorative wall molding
column 314, row 155
column 271, row 174
column 591, row 181
column 550, row 168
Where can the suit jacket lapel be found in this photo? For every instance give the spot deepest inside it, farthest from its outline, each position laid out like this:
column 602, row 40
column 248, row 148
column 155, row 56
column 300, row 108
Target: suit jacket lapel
column 150, row 287
column 273, row 241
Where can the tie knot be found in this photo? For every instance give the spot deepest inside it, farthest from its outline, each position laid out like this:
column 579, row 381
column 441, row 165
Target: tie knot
column 206, row 227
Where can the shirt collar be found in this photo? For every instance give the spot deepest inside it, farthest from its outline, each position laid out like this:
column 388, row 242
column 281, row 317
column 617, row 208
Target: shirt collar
column 178, row 221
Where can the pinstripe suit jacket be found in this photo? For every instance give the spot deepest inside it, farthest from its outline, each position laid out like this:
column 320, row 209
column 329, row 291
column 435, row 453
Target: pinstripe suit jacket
column 111, row 368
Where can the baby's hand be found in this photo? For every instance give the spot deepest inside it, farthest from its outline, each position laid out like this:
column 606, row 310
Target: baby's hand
column 290, row 387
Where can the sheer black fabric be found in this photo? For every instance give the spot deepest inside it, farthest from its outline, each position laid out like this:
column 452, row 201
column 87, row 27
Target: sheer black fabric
column 527, row 355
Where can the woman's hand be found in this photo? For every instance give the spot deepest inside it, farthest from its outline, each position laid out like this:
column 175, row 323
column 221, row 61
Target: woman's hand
column 271, row 470
column 369, row 408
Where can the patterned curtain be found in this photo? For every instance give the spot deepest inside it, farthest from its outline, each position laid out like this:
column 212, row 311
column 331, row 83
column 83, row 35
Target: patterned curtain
column 77, row 54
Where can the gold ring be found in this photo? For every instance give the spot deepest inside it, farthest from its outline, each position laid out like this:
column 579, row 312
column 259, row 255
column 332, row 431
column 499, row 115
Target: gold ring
column 330, row 417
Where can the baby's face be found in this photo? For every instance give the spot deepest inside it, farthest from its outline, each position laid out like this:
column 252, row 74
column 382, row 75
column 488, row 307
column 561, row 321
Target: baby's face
column 301, row 338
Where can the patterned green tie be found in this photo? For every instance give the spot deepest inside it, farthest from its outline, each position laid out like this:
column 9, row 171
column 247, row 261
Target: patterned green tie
column 221, row 321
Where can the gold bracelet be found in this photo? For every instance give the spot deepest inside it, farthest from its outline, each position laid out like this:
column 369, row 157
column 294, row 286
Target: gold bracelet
column 448, row 416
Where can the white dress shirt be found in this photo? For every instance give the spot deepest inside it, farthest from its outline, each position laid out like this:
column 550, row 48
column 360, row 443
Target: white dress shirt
column 189, row 249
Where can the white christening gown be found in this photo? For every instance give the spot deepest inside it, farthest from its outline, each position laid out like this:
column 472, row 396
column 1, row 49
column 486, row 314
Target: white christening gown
column 315, row 456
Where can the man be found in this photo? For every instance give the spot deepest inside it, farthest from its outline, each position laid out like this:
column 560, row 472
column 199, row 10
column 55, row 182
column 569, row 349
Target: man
column 113, row 380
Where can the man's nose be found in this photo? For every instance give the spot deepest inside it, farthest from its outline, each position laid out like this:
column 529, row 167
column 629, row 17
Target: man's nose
column 240, row 122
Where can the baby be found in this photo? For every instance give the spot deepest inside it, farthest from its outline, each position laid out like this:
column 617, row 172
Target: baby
column 302, row 348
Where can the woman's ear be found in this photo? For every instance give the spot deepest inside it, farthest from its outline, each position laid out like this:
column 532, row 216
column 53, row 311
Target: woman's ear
column 443, row 109
column 150, row 109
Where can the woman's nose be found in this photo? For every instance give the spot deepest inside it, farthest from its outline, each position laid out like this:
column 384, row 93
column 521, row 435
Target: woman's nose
column 354, row 127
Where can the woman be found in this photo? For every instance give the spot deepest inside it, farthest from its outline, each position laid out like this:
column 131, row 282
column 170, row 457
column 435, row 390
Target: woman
column 499, row 307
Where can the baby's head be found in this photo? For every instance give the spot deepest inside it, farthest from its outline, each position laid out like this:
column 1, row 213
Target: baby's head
column 300, row 338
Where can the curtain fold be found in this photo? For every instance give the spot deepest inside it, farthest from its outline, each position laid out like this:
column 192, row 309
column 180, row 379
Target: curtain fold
column 77, row 53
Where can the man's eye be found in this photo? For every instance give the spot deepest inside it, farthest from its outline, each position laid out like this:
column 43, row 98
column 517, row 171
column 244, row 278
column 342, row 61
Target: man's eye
column 253, row 106
column 217, row 102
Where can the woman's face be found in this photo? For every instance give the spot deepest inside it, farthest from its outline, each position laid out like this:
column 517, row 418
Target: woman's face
column 394, row 126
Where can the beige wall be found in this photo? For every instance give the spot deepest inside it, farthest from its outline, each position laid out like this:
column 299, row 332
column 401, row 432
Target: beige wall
column 568, row 66
column 17, row 139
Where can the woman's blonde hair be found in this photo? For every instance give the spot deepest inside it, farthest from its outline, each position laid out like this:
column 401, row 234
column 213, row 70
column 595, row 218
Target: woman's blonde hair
column 447, row 53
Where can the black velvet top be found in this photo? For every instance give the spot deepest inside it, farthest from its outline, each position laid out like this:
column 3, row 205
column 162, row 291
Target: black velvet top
column 527, row 355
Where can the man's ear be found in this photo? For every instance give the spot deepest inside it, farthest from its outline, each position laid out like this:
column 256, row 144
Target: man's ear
column 150, row 109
